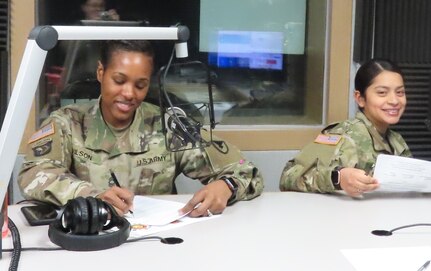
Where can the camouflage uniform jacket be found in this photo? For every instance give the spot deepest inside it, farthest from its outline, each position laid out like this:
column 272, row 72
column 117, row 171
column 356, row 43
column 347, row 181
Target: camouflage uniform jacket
column 72, row 153
column 352, row 143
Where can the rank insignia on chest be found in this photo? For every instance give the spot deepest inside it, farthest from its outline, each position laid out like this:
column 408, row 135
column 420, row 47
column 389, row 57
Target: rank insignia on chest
column 327, row 139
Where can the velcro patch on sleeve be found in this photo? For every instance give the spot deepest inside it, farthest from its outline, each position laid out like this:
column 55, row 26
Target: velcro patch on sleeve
column 42, row 132
column 328, row 139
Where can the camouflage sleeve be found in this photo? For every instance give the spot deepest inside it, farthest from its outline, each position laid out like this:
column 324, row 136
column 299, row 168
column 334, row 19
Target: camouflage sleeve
column 310, row 170
column 407, row 153
column 215, row 162
column 45, row 173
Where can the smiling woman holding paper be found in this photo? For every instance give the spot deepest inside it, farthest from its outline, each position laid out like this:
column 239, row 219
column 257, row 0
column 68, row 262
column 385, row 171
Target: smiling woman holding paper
column 342, row 157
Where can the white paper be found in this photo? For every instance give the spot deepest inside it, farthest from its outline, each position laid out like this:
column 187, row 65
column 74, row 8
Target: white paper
column 388, row 259
column 154, row 212
column 402, row 174
column 154, row 215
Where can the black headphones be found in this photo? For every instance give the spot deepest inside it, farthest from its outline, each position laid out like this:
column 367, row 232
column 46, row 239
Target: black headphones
column 79, row 222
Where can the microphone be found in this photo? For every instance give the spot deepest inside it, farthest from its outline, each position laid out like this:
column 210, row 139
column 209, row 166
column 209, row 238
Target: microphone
column 389, row 233
column 184, row 131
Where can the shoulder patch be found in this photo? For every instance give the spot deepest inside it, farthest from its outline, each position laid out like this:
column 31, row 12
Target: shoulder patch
column 42, row 132
column 327, row 139
column 43, row 147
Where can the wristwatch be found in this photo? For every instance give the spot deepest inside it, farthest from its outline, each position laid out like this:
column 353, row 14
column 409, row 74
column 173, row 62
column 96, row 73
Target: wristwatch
column 233, row 186
column 336, row 177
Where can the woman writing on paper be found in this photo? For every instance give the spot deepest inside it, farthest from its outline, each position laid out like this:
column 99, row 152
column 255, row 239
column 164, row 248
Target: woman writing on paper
column 78, row 145
column 342, row 157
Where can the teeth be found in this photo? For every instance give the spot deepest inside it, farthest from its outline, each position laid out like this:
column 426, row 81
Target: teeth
column 392, row 112
column 124, row 106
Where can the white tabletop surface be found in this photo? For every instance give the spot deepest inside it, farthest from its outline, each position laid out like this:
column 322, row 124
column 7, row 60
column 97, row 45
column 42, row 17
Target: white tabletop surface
column 276, row 231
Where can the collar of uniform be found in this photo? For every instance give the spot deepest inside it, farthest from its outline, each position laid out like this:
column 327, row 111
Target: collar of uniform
column 380, row 143
column 100, row 137
column 395, row 140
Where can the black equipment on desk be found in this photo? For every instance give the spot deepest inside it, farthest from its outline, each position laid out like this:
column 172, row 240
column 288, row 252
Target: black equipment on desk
column 80, row 222
column 39, row 214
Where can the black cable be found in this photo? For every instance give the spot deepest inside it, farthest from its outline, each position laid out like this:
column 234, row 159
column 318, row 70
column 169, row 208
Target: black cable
column 168, row 240
column 33, row 249
column 145, row 238
column 411, row 225
column 220, row 145
column 16, row 252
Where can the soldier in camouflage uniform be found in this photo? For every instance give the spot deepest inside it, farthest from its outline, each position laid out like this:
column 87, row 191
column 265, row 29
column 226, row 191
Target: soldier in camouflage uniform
column 342, row 157
column 77, row 146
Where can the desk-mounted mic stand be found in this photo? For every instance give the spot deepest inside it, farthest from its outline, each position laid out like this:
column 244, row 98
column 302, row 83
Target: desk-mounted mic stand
column 40, row 41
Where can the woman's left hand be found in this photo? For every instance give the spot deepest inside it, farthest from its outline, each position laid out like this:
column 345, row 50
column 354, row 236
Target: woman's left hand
column 211, row 199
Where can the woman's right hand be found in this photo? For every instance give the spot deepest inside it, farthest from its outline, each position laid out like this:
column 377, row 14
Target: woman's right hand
column 356, row 181
column 120, row 198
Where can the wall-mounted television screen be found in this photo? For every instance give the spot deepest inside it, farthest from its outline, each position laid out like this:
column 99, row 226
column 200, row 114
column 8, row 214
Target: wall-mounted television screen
column 247, row 49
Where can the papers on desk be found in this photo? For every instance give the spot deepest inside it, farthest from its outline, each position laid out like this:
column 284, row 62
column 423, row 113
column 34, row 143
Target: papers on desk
column 388, row 259
column 402, row 174
column 154, row 215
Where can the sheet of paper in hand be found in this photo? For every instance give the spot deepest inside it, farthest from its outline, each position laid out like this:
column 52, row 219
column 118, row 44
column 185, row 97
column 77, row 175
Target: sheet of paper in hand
column 402, row 174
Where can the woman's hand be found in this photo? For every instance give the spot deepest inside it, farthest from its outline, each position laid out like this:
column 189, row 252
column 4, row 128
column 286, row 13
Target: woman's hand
column 356, row 181
column 120, row 198
column 211, row 199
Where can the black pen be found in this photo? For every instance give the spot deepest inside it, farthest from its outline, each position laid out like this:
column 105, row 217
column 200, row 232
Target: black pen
column 424, row 266
column 114, row 178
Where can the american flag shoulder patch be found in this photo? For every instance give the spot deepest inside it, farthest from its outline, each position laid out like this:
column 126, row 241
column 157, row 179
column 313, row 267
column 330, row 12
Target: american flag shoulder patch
column 42, row 132
column 328, row 139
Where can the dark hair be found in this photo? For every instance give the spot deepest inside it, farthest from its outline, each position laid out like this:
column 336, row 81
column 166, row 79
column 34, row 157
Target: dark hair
column 370, row 69
column 109, row 47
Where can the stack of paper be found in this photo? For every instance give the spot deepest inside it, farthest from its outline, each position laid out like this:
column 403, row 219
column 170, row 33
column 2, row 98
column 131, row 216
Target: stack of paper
column 154, row 215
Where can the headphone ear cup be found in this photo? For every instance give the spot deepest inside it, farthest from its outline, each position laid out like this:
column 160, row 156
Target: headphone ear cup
column 115, row 217
column 65, row 216
column 98, row 215
column 80, row 216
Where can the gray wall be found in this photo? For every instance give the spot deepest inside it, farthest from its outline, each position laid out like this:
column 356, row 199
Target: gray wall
column 270, row 163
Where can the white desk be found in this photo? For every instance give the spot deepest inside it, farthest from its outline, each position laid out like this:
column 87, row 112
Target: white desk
column 276, row 231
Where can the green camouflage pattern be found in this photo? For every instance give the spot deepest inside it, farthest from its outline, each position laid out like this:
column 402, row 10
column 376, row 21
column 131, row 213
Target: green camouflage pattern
column 75, row 160
column 360, row 143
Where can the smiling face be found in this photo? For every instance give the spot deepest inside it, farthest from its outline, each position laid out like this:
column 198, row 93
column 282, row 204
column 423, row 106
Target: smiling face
column 124, row 81
column 384, row 100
